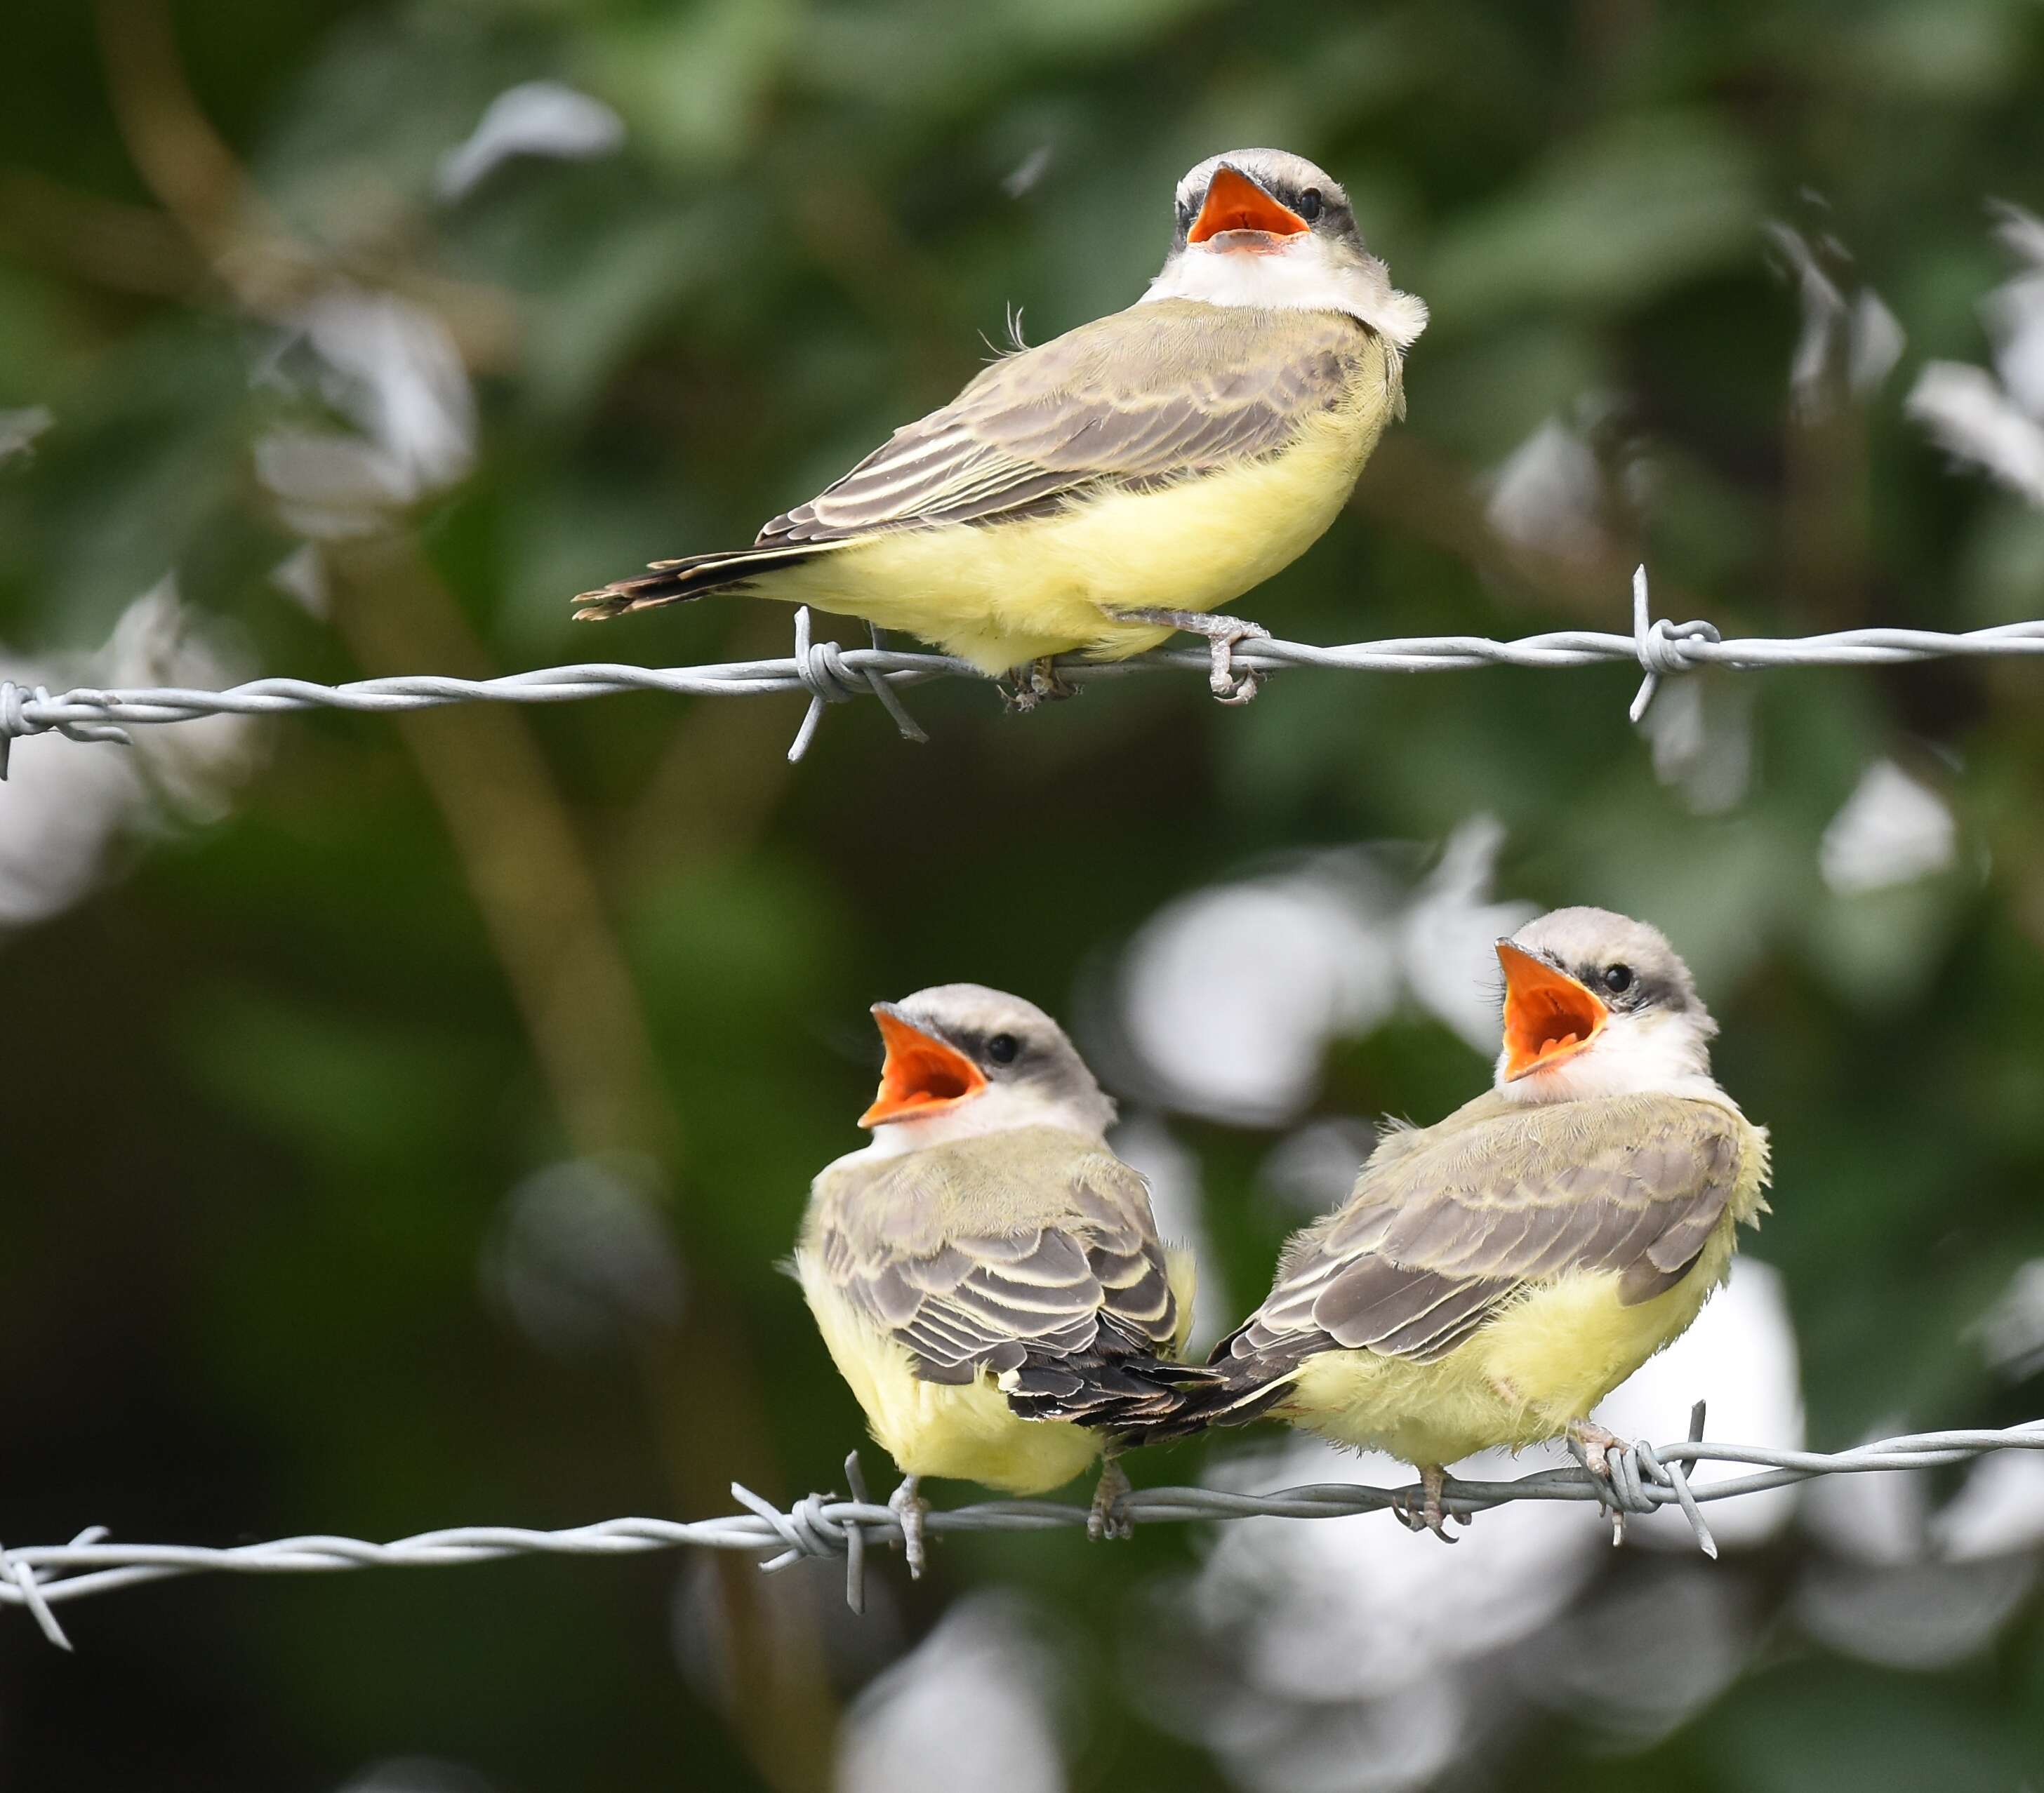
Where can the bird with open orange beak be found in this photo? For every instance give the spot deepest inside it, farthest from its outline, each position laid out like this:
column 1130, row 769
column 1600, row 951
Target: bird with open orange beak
column 986, row 1273
column 1492, row 1277
column 1093, row 493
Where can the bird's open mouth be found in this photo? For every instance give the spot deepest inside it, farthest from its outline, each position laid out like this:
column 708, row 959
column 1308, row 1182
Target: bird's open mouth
column 1237, row 209
column 922, row 1075
column 1548, row 1017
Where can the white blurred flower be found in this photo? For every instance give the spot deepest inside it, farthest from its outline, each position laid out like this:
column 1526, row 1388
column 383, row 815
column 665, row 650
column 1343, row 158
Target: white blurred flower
column 2011, row 1332
column 1179, row 1205
column 1700, row 733
column 1231, row 997
column 1880, row 1518
column 1448, row 940
column 1548, row 494
column 1998, row 423
column 391, row 367
column 19, row 429
column 1351, row 1631
column 1999, row 1512
column 1312, row 1169
column 1963, row 410
column 580, row 1258
column 300, row 576
column 1891, row 830
column 1859, row 337
column 1231, row 994
column 70, row 806
column 1740, row 1358
column 1918, row 1615
column 968, row 1711
column 1689, row 1633
column 543, row 118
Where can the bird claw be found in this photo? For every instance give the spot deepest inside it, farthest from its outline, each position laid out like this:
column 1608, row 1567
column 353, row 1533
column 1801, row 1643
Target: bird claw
column 1222, row 634
column 908, row 1508
column 1035, row 682
column 1107, row 1517
column 1227, row 685
column 1426, row 1513
column 1592, row 1446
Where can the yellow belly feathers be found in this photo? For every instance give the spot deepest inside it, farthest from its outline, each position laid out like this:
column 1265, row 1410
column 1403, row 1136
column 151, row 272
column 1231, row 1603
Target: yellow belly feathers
column 1545, row 1361
column 1001, row 594
column 963, row 1429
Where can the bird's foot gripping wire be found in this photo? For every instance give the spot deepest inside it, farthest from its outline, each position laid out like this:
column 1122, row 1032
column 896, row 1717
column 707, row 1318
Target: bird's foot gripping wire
column 1222, row 634
column 1034, row 682
column 1427, row 1513
column 1107, row 1517
column 1600, row 1452
column 910, row 1508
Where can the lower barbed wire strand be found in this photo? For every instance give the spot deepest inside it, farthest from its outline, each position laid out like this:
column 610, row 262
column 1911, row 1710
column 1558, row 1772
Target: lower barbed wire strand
column 825, row 1525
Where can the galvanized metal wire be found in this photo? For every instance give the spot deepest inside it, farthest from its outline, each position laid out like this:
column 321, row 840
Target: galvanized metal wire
column 832, row 674
column 1644, row 1477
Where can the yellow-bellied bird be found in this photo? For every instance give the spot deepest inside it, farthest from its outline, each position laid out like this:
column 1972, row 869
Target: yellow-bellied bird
column 1094, row 493
column 986, row 1273
column 1492, row 1277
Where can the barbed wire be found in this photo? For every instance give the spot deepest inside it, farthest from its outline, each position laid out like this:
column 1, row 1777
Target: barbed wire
column 1643, row 1478
column 832, row 674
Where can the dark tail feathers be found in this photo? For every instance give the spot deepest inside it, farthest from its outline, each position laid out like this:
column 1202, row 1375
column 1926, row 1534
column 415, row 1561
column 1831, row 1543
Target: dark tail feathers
column 1140, row 1399
column 675, row 581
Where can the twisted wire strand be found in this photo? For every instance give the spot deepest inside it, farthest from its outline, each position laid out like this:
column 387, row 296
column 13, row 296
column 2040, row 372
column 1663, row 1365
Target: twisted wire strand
column 832, row 674
column 1645, row 1477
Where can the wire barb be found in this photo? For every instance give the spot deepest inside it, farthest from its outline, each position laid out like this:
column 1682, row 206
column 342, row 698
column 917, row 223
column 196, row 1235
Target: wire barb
column 1646, row 1476
column 16, row 722
column 1661, row 647
column 821, row 668
column 831, row 673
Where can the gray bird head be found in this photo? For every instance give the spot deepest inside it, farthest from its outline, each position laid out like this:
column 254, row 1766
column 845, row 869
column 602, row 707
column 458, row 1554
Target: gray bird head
column 1265, row 228
column 964, row 1059
column 1598, row 1004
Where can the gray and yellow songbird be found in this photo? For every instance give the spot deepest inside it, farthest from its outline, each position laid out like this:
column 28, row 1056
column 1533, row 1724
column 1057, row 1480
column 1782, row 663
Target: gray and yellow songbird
column 1096, row 492
column 1494, row 1276
column 986, row 1274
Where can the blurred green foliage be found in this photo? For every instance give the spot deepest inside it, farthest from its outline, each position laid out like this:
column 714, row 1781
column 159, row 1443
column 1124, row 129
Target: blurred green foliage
column 271, row 1085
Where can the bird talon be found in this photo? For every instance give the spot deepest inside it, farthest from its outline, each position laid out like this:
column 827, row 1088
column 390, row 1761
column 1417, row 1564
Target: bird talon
column 1106, row 1517
column 1228, row 685
column 1035, row 682
column 1427, row 1513
column 909, row 1509
column 1592, row 1445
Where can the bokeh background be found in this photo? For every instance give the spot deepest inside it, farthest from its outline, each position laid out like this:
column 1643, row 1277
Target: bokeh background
column 403, row 1118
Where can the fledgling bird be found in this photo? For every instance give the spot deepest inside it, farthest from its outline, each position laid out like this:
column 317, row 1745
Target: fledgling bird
column 1096, row 492
column 986, row 1274
column 1492, row 1277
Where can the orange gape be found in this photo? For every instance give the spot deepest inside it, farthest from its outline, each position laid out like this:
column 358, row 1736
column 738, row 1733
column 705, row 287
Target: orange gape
column 1235, row 202
column 1548, row 1015
column 922, row 1075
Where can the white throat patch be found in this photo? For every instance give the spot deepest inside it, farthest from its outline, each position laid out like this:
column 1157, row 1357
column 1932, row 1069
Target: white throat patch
column 1000, row 1109
column 1301, row 276
column 1632, row 1056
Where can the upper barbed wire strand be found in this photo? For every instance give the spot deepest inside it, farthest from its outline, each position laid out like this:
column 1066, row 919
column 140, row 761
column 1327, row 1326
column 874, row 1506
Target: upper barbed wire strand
column 829, row 673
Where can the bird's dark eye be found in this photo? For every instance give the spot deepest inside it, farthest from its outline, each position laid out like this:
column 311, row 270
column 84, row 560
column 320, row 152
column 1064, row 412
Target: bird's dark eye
column 1618, row 979
column 1004, row 1049
column 1309, row 206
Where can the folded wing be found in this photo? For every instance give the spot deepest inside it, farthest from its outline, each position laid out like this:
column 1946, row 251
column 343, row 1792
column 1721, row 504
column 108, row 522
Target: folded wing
column 1435, row 1240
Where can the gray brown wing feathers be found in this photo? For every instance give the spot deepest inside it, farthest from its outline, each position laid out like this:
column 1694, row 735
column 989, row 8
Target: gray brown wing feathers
column 1444, row 1228
column 1030, row 1255
column 1158, row 392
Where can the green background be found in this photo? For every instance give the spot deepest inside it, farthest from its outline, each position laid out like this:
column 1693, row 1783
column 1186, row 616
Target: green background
column 281, row 1069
